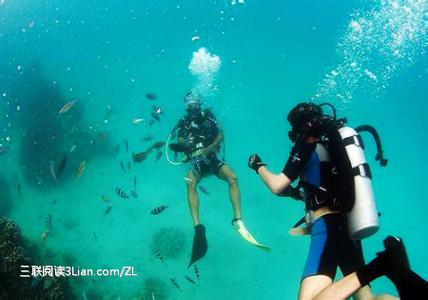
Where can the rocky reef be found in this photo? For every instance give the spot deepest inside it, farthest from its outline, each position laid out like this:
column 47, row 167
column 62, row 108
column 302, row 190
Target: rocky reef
column 154, row 288
column 47, row 136
column 169, row 242
column 14, row 254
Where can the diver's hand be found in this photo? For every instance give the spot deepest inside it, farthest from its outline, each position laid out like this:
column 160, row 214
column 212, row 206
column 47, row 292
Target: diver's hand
column 255, row 162
column 299, row 231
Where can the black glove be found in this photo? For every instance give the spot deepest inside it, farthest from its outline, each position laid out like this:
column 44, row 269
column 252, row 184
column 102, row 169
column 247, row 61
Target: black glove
column 255, row 162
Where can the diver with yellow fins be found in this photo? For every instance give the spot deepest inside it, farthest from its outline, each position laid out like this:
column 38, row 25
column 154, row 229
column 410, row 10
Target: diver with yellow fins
column 199, row 138
column 328, row 157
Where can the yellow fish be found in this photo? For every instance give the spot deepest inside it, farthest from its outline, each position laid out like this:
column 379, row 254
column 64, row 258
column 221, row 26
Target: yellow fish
column 67, row 107
column 80, row 170
column 105, row 198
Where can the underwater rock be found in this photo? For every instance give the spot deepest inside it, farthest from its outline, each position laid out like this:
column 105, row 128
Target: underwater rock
column 47, row 135
column 155, row 288
column 170, row 242
column 13, row 254
column 69, row 259
column 56, row 288
column 6, row 203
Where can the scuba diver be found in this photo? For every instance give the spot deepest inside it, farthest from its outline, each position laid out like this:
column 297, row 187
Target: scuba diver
column 336, row 182
column 199, row 138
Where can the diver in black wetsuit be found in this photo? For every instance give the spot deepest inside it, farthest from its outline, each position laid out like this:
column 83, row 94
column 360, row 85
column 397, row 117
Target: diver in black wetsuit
column 199, row 137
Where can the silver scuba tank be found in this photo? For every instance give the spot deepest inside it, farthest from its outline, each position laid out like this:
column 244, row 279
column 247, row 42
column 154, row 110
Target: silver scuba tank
column 363, row 218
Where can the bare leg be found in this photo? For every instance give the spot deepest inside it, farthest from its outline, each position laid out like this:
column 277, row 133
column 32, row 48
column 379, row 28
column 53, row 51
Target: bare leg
column 227, row 174
column 365, row 293
column 341, row 289
column 192, row 196
column 319, row 288
column 313, row 285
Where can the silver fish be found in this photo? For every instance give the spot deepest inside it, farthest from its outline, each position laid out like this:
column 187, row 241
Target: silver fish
column 52, row 170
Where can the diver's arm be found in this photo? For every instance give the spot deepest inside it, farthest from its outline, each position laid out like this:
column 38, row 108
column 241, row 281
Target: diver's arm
column 275, row 182
column 216, row 143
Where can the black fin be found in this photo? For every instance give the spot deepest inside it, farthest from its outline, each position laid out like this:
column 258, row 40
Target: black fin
column 200, row 244
column 396, row 253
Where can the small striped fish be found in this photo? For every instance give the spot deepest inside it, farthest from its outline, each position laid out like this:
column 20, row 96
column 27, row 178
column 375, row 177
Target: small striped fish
column 4, row 149
column 189, row 279
column 48, row 222
column 159, row 255
column 121, row 193
column 175, row 283
column 203, row 189
column 159, row 209
column 196, row 271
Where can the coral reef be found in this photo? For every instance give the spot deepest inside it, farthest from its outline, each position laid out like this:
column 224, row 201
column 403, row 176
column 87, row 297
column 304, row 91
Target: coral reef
column 12, row 256
column 168, row 242
column 6, row 203
column 154, row 288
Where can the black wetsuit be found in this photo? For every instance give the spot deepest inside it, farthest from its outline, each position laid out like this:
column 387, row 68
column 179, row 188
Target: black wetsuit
column 199, row 132
column 331, row 246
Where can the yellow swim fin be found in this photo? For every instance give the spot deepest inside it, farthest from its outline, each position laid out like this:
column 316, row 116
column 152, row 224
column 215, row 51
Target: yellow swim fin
column 243, row 231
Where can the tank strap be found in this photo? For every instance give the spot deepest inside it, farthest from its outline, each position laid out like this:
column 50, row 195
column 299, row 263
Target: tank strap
column 362, row 170
column 354, row 140
column 320, row 196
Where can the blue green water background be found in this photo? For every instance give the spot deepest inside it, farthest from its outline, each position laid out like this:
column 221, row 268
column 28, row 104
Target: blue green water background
column 273, row 55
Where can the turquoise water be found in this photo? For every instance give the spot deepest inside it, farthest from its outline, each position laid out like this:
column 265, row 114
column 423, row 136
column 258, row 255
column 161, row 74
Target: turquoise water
column 366, row 57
